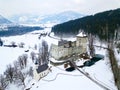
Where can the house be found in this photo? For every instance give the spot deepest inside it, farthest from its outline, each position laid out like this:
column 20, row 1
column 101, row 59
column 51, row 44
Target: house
column 40, row 71
column 67, row 48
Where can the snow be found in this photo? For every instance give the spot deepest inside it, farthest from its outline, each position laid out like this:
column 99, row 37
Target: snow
column 61, row 80
column 8, row 56
column 14, row 87
column 64, row 81
column 101, row 71
column 58, row 79
column 81, row 34
column 70, row 39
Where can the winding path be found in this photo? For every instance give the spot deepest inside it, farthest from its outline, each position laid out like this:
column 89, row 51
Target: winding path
column 89, row 77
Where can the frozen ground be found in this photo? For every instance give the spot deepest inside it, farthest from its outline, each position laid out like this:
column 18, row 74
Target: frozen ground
column 58, row 79
column 8, row 56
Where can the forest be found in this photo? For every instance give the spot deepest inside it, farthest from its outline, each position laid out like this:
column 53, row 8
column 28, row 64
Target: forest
column 18, row 30
column 105, row 25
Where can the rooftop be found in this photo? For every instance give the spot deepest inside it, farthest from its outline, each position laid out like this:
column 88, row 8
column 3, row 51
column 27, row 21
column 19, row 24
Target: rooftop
column 41, row 68
column 62, row 42
column 81, row 34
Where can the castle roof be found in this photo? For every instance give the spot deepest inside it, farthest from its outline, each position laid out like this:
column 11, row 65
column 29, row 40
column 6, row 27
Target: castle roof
column 62, row 42
column 81, row 34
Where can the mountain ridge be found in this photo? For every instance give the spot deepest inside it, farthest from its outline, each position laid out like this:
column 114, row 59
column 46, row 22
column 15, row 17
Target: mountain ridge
column 53, row 18
column 3, row 20
column 103, row 24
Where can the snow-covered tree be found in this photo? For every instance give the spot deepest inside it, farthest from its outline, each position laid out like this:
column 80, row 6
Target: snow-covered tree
column 43, row 53
column 30, row 72
column 91, row 47
column 13, row 44
column 35, row 46
column 21, row 45
column 22, row 60
column 3, row 82
column 33, row 56
column 20, row 77
column 9, row 73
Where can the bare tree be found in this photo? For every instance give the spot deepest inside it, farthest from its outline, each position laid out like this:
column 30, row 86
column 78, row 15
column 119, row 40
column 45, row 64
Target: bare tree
column 16, row 65
column 25, row 57
column 91, row 47
column 43, row 53
column 9, row 73
column 3, row 83
column 30, row 72
column 22, row 60
column 33, row 56
column 13, row 44
column 21, row 45
column 35, row 46
column 20, row 77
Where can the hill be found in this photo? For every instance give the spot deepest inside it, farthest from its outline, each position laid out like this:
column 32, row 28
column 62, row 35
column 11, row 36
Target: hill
column 53, row 18
column 4, row 20
column 61, row 17
column 104, row 24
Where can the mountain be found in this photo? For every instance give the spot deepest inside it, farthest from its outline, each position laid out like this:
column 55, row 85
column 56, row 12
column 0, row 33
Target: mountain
column 54, row 18
column 4, row 20
column 105, row 25
column 62, row 17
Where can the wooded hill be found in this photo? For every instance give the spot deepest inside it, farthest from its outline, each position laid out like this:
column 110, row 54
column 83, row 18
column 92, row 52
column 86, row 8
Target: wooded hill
column 105, row 25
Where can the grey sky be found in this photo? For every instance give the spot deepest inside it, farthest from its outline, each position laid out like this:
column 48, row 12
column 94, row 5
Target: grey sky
column 11, row 7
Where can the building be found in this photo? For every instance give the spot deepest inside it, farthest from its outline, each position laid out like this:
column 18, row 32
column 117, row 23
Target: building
column 40, row 71
column 68, row 48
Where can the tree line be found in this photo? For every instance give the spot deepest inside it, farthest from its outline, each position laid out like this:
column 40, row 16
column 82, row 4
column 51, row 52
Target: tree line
column 18, row 30
column 105, row 25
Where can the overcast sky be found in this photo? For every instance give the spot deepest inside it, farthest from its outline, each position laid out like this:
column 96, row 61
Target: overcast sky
column 87, row 7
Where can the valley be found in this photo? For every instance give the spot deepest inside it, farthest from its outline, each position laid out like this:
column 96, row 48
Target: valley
column 60, row 51
column 100, row 71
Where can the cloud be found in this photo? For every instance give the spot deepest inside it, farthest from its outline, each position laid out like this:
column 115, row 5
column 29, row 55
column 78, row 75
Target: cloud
column 23, row 19
column 78, row 1
column 11, row 7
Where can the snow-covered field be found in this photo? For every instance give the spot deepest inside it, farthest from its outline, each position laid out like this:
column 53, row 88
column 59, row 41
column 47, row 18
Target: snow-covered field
column 8, row 56
column 58, row 79
column 61, row 80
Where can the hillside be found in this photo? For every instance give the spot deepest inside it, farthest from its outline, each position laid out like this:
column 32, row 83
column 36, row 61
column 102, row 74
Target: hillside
column 4, row 20
column 17, row 30
column 102, row 24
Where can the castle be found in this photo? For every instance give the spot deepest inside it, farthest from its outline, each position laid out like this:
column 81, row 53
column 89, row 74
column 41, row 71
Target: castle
column 68, row 48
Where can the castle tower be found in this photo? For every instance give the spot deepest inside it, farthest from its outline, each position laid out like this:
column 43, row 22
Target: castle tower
column 82, row 41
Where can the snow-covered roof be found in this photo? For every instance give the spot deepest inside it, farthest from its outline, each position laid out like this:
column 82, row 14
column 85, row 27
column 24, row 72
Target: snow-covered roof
column 81, row 35
column 62, row 42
